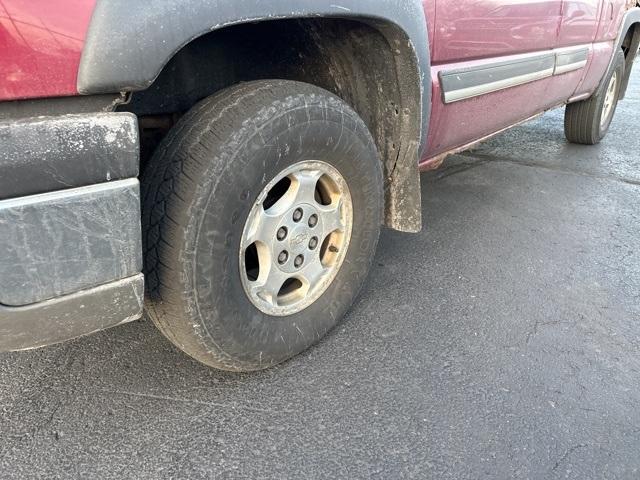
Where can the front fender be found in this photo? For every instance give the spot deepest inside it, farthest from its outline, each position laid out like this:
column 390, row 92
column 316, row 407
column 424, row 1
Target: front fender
column 129, row 42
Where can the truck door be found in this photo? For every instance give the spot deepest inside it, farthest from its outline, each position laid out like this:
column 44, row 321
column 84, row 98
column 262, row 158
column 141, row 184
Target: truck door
column 611, row 18
column 469, row 29
column 492, row 66
column 593, row 26
column 580, row 20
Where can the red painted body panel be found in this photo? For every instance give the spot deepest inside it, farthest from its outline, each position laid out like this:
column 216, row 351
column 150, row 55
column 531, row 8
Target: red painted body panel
column 40, row 46
column 580, row 20
column 468, row 29
column 430, row 13
column 610, row 19
column 470, row 33
column 596, row 68
column 459, row 123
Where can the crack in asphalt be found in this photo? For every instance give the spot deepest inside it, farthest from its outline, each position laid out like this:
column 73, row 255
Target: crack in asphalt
column 566, row 454
column 166, row 398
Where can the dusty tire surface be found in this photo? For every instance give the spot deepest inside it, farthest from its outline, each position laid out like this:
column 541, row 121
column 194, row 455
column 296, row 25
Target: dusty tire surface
column 197, row 193
column 583, row 121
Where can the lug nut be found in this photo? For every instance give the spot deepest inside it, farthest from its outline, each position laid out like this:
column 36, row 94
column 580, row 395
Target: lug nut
column 283, row 257
column 313, row 243
column 282, row 233
column 298, row 261
column 313, row 220
column 297, row 215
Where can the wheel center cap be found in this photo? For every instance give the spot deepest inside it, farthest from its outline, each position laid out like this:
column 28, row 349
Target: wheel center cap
column 299, row 239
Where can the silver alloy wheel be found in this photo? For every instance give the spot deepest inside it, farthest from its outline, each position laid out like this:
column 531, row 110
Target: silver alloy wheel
column 609, row 100
column 295, row 238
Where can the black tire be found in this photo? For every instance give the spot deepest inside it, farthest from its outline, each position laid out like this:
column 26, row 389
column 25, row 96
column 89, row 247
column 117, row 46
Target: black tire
column 198, row 191
column 582, row 120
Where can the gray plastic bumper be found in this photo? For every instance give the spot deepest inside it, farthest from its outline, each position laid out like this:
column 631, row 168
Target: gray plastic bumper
column 70, row 239
column 71, row 316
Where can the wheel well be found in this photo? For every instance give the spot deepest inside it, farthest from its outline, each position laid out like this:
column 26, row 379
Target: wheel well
column 627, row 42
column 372, row 66
column 630, row 46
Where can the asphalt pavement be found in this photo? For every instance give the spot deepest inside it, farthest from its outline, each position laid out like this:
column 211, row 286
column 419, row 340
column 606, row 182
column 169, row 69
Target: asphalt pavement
column 501, row 342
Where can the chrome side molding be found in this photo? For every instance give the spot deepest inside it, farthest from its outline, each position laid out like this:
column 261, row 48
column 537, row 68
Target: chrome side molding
column 571, row 59
column 465, row 83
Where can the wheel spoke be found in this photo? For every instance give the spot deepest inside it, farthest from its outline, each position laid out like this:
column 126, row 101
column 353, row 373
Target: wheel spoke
column 284, row 203
column 305, row 186
column 332, row 218
column 312, row 273
column 268, row 285
column 261, row 227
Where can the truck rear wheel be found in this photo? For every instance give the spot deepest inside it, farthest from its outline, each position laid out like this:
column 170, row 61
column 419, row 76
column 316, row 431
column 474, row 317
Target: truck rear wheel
column 262, row 210
column 587, row 122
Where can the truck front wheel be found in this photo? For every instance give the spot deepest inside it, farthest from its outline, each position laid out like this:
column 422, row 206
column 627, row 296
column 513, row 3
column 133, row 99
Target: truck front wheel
column 262, row 210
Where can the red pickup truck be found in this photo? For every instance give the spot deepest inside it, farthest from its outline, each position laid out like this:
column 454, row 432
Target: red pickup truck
column 240, row 156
